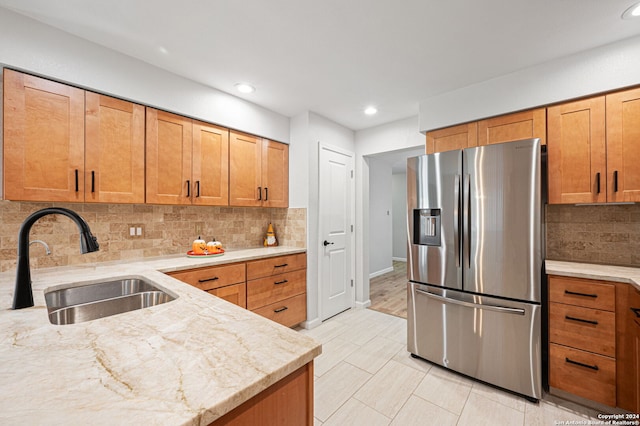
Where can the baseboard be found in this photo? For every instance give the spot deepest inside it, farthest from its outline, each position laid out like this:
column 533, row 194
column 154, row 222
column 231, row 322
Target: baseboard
column 399, row 259
column 363, row 305
column 382, row 272
column 308, row 325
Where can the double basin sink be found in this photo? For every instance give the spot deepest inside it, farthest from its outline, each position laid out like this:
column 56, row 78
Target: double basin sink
column 98, row 300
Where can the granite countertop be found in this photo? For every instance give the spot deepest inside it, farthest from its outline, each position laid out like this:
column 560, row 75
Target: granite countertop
column 188, row 361
column 592, row 271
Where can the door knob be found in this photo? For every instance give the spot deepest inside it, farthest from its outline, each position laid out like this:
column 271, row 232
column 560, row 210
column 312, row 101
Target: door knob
column 326, row 243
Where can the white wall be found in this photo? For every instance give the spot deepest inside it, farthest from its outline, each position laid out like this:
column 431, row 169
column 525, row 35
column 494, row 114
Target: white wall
column 399, row 215
column 380, row 219
column 598, row 70
column 310, row 129
column 31, row 46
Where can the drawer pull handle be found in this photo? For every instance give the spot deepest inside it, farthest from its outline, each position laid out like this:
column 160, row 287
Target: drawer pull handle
column 593, row 367
column 573, row 293
column 581, row 320
column 281, row 282
column 281, row 266
column 208, row 279
column 277, row 311
column 636, row 311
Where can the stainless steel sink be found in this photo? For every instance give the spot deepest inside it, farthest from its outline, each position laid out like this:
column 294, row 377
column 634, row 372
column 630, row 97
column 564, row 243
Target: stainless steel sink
column 98, row 300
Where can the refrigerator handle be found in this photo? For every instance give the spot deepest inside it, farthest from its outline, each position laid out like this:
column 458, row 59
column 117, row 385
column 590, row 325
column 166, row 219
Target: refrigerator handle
column 503, row 309
column 466, row 220
column 456, row 219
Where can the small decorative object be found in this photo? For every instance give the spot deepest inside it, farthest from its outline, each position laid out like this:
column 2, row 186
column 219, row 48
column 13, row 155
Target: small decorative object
column 270, row 239
column 214, row 246
column 199, row 246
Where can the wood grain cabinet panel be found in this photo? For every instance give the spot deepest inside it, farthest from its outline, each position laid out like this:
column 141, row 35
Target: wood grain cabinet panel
column 187, row 161
column 264, row 291
column 623, row 146
column 43, row 148
column 587, row 293
column 114, row 150
column 258, row 171
column 288, row 312
column 452, row 138
column 628, row 349
column 236, row 294
column 591, row 330
column 511, row 127
column 211, row 277
column 276, row 265
column 577, row 152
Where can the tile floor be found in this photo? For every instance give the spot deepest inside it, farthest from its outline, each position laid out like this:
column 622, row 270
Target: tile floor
column 365, row 376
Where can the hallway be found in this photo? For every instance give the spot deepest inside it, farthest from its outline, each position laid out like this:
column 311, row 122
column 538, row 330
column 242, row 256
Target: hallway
column 388, row 292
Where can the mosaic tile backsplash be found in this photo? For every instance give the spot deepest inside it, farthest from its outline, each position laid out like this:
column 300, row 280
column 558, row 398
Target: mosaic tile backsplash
column 166, row 230
column 606, row 234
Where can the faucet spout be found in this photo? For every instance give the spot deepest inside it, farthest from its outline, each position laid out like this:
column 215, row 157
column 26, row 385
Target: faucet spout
column 23, row 294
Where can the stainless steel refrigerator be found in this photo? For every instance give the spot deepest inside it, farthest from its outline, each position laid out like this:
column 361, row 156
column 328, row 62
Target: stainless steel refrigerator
column 475, row 254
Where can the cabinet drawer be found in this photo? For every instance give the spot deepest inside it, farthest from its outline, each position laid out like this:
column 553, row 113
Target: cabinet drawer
column 265, row 291
column 288, row 312
column 276, row 265
column 592, row 330
column 579, row 292
column 236, row 294
column 583, row 373
column 212, row 277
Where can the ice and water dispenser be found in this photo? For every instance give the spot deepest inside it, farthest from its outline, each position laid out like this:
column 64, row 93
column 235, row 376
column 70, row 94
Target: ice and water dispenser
column 426, row 227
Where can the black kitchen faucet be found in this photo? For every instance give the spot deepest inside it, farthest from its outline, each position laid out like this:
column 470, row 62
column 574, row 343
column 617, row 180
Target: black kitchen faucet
column 23, row 294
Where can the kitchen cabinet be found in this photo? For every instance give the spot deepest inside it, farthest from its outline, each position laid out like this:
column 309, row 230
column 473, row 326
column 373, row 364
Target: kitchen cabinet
column 114, row 150
column 258, row 171
column 594, row 149
column 62, row 143
column 582, row 338
column 187, row 161
column 511, row 127
column 623, row 146
column 276, row 288
column 226, row 281
column 628, row 372
column 452, row 138
column 288, row 402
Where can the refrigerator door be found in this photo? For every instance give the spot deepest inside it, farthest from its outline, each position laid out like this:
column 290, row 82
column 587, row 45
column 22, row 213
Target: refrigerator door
column 501, row 220
column 433, row 201
column 493, row 340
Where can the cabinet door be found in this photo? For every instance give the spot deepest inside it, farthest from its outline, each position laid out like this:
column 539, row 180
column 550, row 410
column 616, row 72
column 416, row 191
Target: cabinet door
column 628, row 348
column 623, row 146
column 245, row 160
column 275, row 174
column 512, row 127
column 43, row 139
column 576, row 152
column 168, row 158
column 452, row 138
column 114, row 153
column 210, row 165
column 236, row 294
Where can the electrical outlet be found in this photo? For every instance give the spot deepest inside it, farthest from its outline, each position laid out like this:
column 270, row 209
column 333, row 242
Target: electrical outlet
column 198, row 228
column 138, row 231
column 132, row 231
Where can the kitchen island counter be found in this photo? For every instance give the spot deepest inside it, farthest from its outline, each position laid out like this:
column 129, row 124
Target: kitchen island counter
column 188, row 361
column 593, row 271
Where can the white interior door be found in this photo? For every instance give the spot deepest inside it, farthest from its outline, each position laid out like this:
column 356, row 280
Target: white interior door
column 336, row 219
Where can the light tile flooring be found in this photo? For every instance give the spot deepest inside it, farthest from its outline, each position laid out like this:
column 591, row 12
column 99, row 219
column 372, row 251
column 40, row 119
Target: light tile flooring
column 365, row 376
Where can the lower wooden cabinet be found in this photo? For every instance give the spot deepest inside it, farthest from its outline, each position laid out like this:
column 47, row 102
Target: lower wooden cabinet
column 628, row 372
column 289, row 402
column 274, row 287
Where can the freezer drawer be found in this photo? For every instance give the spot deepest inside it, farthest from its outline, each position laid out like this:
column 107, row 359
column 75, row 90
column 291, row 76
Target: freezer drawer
column 493, row 340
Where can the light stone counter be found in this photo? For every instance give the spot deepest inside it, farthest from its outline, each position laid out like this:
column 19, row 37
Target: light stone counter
column 595, row 272
column 188, row 361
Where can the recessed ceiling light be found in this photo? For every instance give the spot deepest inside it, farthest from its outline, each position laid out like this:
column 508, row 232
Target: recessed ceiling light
column 370, row 110
column 632, row 12
column 245, row 88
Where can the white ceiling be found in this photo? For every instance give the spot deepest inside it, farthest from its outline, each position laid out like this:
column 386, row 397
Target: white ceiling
column 334, row 57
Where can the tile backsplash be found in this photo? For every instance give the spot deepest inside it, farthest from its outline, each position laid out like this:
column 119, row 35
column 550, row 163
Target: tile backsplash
column 166, row 230
column 606, row 234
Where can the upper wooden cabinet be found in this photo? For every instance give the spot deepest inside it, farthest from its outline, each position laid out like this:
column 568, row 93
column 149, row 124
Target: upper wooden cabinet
column 258, row 171
column 451, row 138
column 512, row 127
column 114, row 150
column 187, row 161
column 577, row 152
column 50, row 156
column 594, row 149
column 623, row 146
